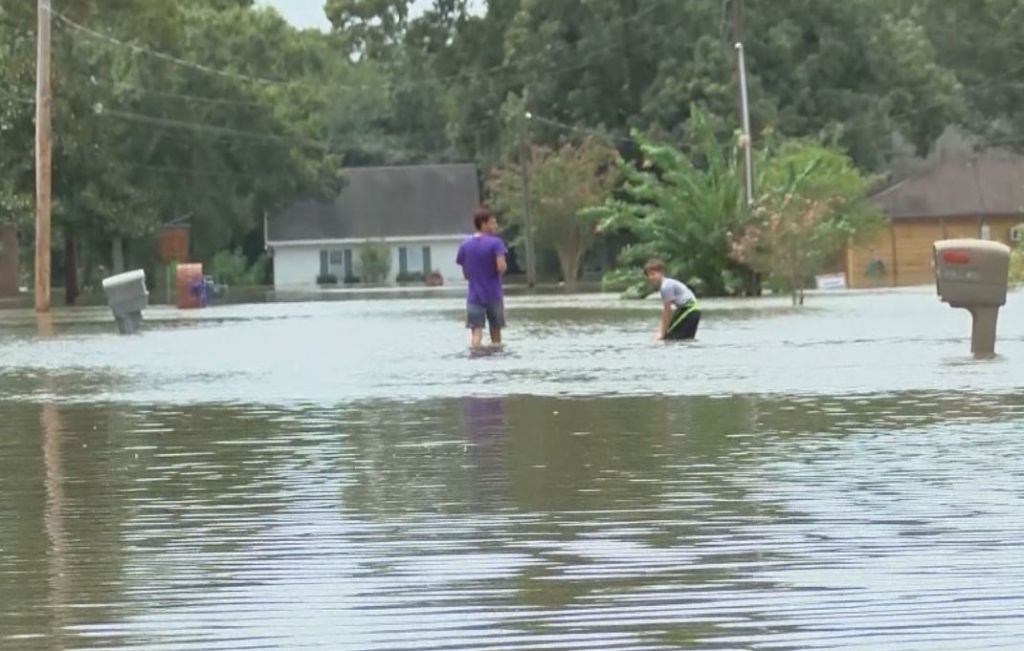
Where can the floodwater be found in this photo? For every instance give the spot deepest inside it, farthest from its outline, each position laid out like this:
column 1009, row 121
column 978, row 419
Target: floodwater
column 344, row 476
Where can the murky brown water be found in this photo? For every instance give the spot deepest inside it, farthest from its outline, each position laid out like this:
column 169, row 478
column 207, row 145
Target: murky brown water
column 345, row 476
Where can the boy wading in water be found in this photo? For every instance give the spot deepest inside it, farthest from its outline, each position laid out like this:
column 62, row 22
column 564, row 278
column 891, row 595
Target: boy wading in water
column 482, row 258
column 681, row 314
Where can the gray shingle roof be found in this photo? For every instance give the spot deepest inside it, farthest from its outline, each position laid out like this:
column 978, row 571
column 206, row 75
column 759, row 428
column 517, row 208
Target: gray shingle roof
column 377, row 202
column 962, row 184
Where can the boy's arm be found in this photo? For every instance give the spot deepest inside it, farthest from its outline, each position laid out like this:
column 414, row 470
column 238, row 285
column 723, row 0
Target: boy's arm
column 666, row 320
column 501, row 251
column 460, row 259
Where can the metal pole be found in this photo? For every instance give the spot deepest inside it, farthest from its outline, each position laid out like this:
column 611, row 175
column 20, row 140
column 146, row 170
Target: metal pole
column 524, row 154
column 43, row 159
column 745, row 108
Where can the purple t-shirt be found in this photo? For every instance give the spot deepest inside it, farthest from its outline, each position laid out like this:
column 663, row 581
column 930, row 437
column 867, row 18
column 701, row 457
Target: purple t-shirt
column 478, row 257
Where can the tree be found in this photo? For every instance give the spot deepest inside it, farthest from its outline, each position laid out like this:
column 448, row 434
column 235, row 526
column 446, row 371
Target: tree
column 222, row 134
column 681, row 213
column 812, row 204
column 368, row 28
column 375, row 261
column 564, row 181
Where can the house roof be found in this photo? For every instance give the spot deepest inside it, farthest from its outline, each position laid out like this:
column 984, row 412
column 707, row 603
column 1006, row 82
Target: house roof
column 960, row 184
column 379, row 202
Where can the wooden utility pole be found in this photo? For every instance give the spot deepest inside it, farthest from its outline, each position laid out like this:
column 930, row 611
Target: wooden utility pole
column 524, row 162
column 43, row 158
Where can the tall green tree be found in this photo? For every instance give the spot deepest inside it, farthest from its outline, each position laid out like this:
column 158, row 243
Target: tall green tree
column 564, row 181
column 178, row 109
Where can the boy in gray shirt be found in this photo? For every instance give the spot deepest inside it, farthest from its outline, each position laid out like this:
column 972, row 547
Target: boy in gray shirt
column 680, row 315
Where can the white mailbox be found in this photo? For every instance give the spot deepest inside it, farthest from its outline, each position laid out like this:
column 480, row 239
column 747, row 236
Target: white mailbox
column 127, row 296
column 973, row 275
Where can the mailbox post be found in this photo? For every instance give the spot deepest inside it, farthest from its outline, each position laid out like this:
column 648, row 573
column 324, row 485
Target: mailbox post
column 973, row 275
column 127, row 296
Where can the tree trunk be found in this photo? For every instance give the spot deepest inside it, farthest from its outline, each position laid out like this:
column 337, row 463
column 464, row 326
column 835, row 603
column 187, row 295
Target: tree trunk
column 117, row 255
column 570, row 264
column 70, row 268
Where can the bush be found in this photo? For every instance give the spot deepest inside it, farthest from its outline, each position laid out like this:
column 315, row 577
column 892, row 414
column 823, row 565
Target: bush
column 376, row 261
column 1017, row 266
column 229, row 267
column 326, row 279
column 414, row 277
column 232, row 268
column 353, row 280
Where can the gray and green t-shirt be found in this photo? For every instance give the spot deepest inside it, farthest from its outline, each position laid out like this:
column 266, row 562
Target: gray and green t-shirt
column 675, row 292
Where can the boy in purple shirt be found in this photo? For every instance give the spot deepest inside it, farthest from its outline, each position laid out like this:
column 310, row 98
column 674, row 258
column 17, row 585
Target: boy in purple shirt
column 482, row 258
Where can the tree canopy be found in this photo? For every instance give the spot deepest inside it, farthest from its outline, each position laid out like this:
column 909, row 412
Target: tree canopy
column 221, row 112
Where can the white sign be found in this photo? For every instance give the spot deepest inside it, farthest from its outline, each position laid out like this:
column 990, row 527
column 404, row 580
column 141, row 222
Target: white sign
column 831, row 282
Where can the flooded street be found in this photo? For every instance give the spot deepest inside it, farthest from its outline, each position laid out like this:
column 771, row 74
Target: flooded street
column 345, row 476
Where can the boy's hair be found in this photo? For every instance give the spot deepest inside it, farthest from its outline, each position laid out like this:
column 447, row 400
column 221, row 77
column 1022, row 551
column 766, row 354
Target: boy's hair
column 481, row 217
column 653, row 266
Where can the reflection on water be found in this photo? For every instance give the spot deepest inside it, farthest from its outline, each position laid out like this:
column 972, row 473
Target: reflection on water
column 515, row 523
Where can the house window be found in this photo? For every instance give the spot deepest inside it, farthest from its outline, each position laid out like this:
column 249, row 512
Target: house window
column 427, row 263
column 325, row 265
column 985, row 231
column 403, row 261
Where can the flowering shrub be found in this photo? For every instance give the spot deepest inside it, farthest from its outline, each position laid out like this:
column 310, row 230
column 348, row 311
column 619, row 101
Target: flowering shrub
column 812, row 203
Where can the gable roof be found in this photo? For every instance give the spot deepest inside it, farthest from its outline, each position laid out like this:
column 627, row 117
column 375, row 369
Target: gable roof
column 379, row 202
column 959, row 185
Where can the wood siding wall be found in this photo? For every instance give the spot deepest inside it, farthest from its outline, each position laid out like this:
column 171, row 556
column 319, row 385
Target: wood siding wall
column 905, row 249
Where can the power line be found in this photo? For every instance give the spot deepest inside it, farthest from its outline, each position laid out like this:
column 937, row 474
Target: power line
column 209, row 128
column 486, row 72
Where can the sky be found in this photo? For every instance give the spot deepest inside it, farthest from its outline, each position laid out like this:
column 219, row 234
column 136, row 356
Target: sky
column 310, row 13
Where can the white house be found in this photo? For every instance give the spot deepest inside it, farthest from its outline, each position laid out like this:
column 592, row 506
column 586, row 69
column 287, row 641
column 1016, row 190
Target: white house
column 422, row 212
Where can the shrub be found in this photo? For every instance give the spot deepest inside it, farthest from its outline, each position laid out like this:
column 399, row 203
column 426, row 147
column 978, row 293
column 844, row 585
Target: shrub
column 1017, row 266
column 414, row 277
column 326, row 279
column 376, row 261
column 232, row 268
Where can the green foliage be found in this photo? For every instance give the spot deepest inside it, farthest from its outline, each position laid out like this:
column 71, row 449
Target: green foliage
column 413, row 277
column 233, row 268
column 680, row 213
column 375, row 259
column 262, row 114
column 326, row 279
column 564, row 181
column 812, row 204
column 1017, row 266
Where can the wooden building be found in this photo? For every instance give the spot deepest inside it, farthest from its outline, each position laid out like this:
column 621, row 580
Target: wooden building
column 961, row 194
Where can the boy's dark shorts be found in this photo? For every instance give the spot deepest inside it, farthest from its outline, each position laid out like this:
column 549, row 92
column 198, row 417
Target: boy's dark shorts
column 684, row 323
column 493, row 316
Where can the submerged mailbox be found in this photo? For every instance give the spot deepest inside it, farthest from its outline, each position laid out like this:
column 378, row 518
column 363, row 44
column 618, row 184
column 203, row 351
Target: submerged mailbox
column 127, row 296
column 973, row 275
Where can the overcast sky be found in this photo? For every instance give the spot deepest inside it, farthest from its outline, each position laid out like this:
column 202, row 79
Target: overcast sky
column 310, row 13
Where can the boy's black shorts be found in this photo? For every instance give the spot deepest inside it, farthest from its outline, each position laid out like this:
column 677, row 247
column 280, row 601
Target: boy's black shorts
column 684, row 323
